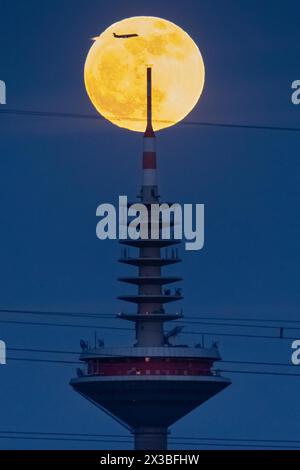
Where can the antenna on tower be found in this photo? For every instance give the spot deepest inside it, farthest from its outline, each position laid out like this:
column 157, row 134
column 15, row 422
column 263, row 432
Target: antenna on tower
column 149, row 129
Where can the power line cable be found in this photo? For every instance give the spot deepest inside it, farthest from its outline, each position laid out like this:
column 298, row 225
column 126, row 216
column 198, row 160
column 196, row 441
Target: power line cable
column 63, row 325
column 102, row 327
column 287, row 374
column 202, row 444
column 58, row 314
column 124, row 436
column 58, row 361
column 71, row 115
column 99, row 354
column 111, row 316
column 216, row 321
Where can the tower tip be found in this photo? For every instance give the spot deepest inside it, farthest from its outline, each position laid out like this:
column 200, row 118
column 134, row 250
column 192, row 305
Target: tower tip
column 149, row 129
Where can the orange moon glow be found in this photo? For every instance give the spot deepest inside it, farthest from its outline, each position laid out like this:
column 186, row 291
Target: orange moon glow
column 115, row 73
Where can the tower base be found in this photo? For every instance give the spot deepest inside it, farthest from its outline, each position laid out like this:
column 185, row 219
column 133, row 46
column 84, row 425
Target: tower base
column 148, row 438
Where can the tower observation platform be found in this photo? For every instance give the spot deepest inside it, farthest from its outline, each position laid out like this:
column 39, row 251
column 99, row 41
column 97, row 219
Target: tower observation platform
column 151, row 385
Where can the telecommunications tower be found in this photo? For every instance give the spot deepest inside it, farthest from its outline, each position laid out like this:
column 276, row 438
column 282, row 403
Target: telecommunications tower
column 150, row 385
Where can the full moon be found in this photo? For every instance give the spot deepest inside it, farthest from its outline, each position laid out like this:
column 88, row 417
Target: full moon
column 115, row 72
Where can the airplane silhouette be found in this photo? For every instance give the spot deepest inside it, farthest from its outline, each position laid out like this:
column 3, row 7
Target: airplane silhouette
column 125, row 36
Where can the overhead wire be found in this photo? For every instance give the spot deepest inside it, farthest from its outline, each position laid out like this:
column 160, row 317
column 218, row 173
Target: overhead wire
column 124, row 436
column 123, row 441
column 117, row 328
column 72, row 115
column 215, row 321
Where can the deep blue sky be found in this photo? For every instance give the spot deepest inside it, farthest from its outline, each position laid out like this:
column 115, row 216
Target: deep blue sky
column 54, row 173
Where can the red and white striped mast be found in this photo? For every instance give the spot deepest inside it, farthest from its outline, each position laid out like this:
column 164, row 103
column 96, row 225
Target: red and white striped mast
column 149, row 185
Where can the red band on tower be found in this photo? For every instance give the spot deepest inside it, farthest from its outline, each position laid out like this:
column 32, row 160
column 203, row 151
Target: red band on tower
column 149, row 153
column 149, row 161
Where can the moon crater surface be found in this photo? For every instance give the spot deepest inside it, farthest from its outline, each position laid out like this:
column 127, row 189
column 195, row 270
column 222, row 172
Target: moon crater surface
column 115, row 73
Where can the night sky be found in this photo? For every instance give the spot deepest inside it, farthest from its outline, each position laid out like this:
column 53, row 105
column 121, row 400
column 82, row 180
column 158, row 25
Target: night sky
column 54, row 172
